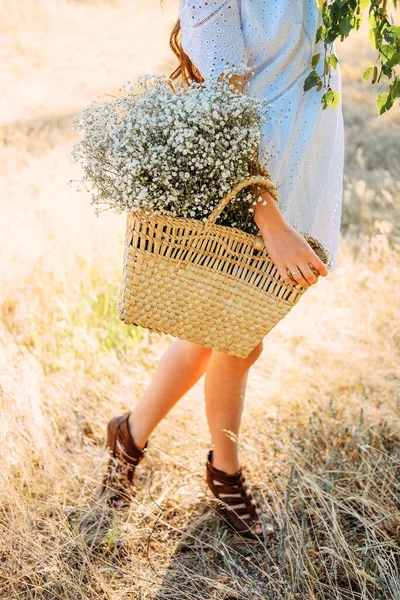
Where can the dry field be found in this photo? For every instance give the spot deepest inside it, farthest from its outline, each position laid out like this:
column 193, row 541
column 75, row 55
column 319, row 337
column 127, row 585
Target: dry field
column 321, row 428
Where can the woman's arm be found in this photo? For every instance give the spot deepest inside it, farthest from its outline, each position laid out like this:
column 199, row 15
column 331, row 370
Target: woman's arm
column 287, row 248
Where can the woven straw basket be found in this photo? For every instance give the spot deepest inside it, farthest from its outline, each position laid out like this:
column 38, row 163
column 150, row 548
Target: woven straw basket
column 203, row 282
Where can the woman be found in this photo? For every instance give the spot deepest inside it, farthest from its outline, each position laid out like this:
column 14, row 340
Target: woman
column 276, row 38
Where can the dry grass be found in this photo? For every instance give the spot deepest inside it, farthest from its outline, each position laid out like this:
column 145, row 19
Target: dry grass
column 321, row 429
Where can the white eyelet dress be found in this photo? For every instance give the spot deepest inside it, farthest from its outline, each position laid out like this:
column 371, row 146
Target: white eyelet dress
column 302, row 145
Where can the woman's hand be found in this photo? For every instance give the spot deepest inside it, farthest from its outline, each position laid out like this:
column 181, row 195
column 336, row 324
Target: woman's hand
column 287, row 248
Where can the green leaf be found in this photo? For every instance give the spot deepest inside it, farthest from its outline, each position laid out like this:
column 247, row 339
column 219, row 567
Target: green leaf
column 392, row 34
column 364, row 4
column 332, row 60
column 386, row 70
column 367, row 73
column 311, row 80
column 394, row 61
column 315, row 60
column 384, row 102
column 375, row 74
column 371, row 19
column 394, row 88
column 386, row 52
column 345, row 25
column 372, row 38
column 332, row 98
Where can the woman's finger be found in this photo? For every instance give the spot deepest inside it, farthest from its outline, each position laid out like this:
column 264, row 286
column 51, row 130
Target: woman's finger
column 317, row 263
column 282, row 272
column 307, row 273
column 298, row 276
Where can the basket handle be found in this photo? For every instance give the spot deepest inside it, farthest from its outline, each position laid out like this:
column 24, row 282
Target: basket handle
column 254, row 179
column 264, row 179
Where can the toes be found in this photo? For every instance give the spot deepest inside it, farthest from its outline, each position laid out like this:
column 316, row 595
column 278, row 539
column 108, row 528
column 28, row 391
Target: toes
column 257, row 529
column 118, row 502
column 270, row 529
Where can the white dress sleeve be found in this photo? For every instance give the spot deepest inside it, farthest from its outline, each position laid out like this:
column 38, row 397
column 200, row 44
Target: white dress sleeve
column 212, row 35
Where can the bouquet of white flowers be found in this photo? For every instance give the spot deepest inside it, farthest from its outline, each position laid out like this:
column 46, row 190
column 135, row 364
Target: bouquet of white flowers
column 172, row 149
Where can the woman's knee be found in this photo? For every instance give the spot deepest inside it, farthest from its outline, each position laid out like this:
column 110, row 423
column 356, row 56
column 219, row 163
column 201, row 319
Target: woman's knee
column 243, row 364
column 204, row 353
column 255, row 354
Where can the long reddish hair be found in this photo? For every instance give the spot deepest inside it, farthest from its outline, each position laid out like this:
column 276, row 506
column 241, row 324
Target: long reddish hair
column 186, row 69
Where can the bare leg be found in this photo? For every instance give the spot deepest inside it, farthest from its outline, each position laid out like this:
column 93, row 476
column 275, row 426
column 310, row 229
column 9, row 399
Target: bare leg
column 225, row 386
column 180, row 367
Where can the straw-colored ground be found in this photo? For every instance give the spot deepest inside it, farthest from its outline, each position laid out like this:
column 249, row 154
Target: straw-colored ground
column 321, row 429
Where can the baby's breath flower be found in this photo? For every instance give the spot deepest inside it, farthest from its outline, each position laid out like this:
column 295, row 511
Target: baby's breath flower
column 173, row 150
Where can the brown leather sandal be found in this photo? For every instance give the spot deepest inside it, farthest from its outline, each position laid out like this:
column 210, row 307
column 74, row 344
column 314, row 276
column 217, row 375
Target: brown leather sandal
column 239, row 505
column 124, row 458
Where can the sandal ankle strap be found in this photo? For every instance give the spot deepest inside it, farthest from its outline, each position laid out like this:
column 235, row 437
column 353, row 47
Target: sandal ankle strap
column 132, row 453
column 222, row 475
